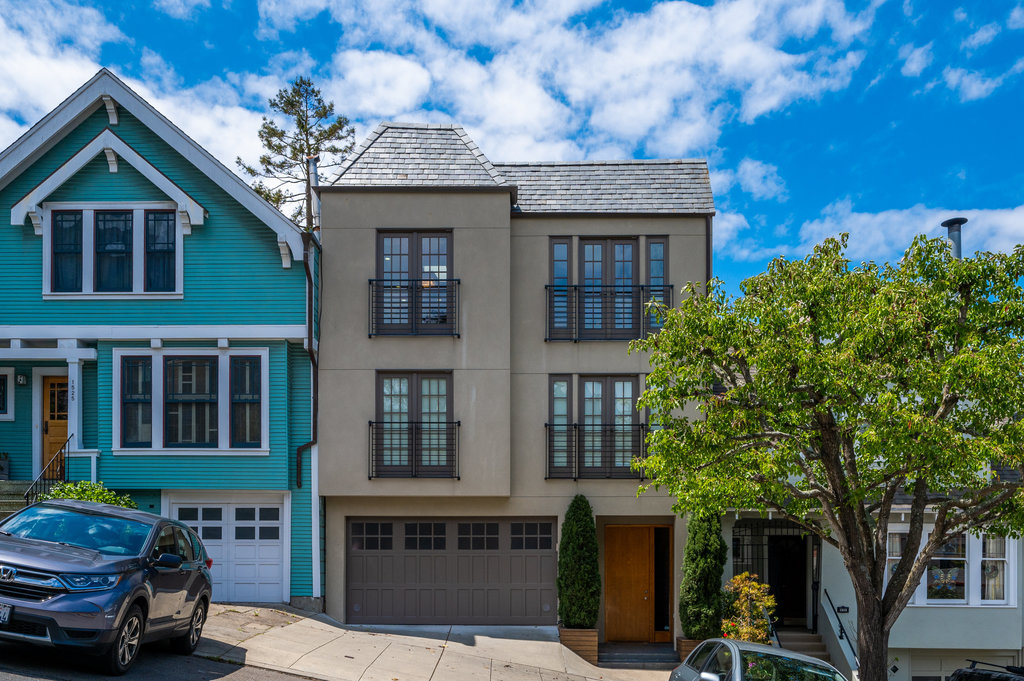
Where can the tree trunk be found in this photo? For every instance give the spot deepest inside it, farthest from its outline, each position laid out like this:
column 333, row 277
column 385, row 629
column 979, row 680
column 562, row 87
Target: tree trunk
column 872, row 640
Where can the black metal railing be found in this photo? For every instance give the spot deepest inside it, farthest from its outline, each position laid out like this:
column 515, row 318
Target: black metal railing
column 414, row 449
column 585, row 312
column 773, row 635
column 414, row 307
column 577, row 450
column 842, row 633
column 55, row 471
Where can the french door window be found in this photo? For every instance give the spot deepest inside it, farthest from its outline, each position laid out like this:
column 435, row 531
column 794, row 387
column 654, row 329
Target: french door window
column 413, row 292
column 414, row 434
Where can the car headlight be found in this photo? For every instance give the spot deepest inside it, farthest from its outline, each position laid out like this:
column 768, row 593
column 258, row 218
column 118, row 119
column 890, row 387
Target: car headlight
column 90, row 582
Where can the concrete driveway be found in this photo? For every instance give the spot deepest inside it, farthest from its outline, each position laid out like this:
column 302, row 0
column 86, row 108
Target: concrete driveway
column 315, row 646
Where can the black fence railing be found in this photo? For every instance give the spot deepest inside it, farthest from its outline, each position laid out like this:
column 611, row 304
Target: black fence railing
column 585, row 312
column 55, row 471
column 577, row 450
column 843, row 634
column 414, row 449
column 414, row 307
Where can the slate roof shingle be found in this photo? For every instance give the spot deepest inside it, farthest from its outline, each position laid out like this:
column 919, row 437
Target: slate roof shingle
column 637, row 186
column 430, row 155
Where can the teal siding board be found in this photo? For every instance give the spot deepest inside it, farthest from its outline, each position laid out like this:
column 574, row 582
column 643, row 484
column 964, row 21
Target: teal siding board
column 90, row 435
column 148, row 500
column 95, row 182
column 220, row 255
column 302, row 519
column 16, row 436
column 79, row 468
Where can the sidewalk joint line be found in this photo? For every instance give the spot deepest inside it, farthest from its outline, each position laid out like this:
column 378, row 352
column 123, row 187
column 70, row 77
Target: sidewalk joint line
column 361, row 675
column 444, row 649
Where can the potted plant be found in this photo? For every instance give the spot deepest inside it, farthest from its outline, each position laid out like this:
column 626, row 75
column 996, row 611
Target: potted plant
column 5, row 466
column 700, row 593
column 579, row 581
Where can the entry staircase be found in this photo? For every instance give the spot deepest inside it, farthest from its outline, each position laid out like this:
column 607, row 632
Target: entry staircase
column 803, row 641
column 12, row 496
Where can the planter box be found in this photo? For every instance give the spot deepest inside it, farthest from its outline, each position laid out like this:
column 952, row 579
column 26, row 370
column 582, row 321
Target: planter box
column 583, row 642
column 685, row 646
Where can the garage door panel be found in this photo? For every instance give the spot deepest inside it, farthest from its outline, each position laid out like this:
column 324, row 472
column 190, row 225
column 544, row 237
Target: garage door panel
column 456, row 571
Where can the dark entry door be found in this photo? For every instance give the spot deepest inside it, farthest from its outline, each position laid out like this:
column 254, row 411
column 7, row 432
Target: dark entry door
column 787, row 578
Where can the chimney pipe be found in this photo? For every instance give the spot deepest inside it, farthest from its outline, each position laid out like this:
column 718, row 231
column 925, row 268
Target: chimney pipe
column 314, row 180
column 953, row 225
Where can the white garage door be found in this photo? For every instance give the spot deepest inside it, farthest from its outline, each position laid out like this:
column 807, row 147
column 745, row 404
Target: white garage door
column 246, row 542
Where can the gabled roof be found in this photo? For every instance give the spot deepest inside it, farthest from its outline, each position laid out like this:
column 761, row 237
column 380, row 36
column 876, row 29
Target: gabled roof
column 419, row 155
column 106, row 89
column 638, row 186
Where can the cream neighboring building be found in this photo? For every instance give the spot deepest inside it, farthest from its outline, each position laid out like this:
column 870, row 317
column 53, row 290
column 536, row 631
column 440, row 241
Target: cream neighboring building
column 474, row 377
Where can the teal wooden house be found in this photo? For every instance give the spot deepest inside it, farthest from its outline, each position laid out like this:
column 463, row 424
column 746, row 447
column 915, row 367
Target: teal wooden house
column 157, row 335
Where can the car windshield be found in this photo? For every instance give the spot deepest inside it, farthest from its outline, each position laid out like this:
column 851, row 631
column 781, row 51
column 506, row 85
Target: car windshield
column 760, row 666
column 105, row 534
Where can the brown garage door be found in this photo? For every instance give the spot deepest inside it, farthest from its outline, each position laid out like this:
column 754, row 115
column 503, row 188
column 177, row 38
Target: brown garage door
column 451, row 571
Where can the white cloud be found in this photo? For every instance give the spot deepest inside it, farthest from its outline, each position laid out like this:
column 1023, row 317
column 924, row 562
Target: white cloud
column 761, row 180
column 983, row 36
column 959, row 14
column 180, row 9
column 915, row 59
column 283, row 15
column 1016, row 19
column 376, row 83
column 972, row 85
column 886, row 235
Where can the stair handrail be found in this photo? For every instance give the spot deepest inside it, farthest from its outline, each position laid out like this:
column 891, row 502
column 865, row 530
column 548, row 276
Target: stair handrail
column 48, row 476
column 843, row 634
column 773, row 635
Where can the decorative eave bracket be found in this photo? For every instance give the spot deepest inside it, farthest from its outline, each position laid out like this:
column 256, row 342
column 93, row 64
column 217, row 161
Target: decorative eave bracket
column 286, row 253
column 111, row 105
column 111, row 159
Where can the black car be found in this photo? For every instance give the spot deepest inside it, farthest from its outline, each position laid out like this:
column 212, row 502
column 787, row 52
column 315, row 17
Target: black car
column 101, row 578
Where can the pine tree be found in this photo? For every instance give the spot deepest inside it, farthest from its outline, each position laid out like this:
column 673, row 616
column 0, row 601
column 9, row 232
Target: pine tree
column 312, row 130
column 579, row 579
column 700, row 606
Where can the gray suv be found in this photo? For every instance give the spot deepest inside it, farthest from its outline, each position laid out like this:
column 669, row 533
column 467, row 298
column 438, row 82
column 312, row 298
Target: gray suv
column 103, row 579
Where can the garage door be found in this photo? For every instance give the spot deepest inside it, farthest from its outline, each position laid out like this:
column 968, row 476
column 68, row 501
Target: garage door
column 451, row 571
column 245, row 541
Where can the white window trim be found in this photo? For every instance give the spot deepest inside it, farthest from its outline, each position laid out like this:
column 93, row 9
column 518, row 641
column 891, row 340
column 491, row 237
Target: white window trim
column 88, row 291
column 973, row 587
column 9, row 373
column 223, row 447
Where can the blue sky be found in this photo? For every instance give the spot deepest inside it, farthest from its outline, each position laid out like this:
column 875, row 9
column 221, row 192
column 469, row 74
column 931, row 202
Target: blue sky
column 879, row 118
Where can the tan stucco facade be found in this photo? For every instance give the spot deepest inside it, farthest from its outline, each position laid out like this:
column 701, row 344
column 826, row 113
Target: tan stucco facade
column 500, row 364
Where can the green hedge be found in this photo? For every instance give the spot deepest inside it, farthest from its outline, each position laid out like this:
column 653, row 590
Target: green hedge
column 700, row 599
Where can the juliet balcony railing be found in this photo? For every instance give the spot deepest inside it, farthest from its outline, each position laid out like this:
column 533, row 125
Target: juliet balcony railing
column 414, row 449
column 589, row 312
column 576, row 451
column 414, row 307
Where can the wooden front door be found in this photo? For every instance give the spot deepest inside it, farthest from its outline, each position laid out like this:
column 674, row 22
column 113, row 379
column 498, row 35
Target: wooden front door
column 628, row 583
column 55, row 421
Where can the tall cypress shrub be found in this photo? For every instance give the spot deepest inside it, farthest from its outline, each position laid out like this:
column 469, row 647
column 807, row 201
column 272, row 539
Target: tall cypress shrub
column 579, row 580
column 700, row 600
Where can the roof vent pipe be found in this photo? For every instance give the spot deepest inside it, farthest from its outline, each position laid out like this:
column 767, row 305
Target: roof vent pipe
column 314, row 198
column 954, row 225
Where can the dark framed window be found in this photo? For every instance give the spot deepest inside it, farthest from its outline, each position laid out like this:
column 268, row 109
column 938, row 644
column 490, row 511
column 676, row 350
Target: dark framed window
column 190, row 402
column 66, row 263
column 159, row 260
column 609, row 436
column 562, row 303
column 136, row 402
column 478, row 536
column 4, row 409
column 561, row 430
column 246, row 401
column 425, row 536
column 113, row 231
column 531, row 536
column 414, row 434
column 608, row 281
column 372, row 536
column 413, row 292
column 657, row 275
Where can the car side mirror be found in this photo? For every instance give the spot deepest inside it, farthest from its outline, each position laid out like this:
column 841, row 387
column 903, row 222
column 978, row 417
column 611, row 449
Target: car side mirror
column 709, row 676
column 169, row 560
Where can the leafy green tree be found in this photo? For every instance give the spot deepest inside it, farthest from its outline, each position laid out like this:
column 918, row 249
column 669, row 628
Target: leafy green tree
column 700, row 606
column 579, row 579
column 826, row 391
column 88, row 491
column 312, row 129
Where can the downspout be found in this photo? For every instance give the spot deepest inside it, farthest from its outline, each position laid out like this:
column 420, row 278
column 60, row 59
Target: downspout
column 309, row 243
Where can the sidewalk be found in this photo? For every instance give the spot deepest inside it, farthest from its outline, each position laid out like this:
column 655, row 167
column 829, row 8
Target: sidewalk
column 315, row 646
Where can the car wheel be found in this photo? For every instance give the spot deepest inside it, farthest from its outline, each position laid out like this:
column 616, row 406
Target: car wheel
column 125, row 651
column 187, row 642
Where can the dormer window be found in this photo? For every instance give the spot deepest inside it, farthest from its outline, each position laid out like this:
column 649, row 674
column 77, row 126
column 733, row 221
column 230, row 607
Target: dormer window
column 111, row 250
